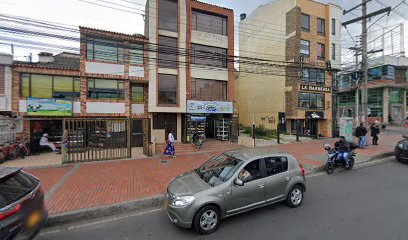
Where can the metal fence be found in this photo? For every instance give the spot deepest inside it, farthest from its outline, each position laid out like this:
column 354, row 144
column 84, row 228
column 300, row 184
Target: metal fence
column 97, row 139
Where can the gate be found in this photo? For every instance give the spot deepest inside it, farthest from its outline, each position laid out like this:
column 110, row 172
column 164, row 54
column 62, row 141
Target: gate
column 97, row 139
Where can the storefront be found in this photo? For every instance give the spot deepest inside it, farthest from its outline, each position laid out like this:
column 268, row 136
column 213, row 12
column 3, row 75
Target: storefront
column 213, row 119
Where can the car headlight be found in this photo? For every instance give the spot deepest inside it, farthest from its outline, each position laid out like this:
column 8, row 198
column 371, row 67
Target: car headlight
column 183, row 201
column 400, row 145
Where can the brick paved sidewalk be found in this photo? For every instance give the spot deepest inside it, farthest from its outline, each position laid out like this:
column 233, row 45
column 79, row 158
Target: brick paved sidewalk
column 97, row 184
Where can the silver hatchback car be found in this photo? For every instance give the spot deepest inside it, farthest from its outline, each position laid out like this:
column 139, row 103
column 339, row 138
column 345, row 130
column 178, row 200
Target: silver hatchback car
column 234, row 182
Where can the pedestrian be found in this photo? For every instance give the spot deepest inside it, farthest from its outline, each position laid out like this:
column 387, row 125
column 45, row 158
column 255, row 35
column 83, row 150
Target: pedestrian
column 64, row 146
column 170, row 150
column 375, row 130
column 361, row 133
column 46, row 143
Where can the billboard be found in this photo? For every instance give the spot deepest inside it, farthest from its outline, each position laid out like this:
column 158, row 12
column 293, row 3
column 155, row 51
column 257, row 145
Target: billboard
column 209, row 107
column 346, row 128
column 49, row 107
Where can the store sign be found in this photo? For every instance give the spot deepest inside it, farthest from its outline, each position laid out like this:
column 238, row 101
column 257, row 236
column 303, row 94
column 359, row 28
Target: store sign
column 209, row 107
column 312, row 88
column 314, row 115
column 49, row 107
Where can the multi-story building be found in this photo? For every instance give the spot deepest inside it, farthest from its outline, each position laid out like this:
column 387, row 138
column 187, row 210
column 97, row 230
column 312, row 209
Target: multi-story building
column 289, row 43
column 107, row 81
column 6, row 61
column 387, row 91
column 191, row 69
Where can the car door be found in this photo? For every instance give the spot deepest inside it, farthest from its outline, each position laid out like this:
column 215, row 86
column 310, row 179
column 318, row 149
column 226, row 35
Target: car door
column 277, row 178
column 251, row 194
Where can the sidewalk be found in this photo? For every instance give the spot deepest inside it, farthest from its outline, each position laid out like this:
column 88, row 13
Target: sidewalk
column 93, row 185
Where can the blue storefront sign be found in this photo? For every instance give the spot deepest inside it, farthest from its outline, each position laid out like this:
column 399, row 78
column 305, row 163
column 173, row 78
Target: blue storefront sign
column 209, row 107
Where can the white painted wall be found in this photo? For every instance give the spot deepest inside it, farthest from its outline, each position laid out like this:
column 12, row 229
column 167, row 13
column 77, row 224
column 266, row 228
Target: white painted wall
column 335, row 12
column 198, row 71
column 104, row 68
column 105, row 107
column 22, row 106
column 138, row 108
column 202, row 38
column 5, row 99
column 76, row 107
column 136, row 71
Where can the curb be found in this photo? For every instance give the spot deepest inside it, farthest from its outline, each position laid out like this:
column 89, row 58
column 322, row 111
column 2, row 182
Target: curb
column 103, row 211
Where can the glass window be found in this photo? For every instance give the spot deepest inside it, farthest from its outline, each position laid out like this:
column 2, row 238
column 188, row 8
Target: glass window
column 15, row 187
column 305, row 21
column 320, row 77
column 64, row 88
column 251, row 171
column 25, row 85
column 375, row 100
column 304, row 47
column 41, row 86
column 136, row 53
column 333, row 26
column 311, row 100
column 104, row 50
column 313, row 76
column 137, row 94
column 346, row 99
column 209, row 56
column 333, row 57
column 320, row 51
column 320, row 26
column 276, row 165
column 210, row 90
column 320, row 101
column 304, row 100
column 168, row 87
column 105, row 89
column 396, row 95
column 167, row 52
column 168, row 15
column 209, row 23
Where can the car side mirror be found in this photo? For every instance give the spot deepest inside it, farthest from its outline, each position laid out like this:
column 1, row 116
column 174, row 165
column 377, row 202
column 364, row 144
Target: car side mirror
column 238, row 182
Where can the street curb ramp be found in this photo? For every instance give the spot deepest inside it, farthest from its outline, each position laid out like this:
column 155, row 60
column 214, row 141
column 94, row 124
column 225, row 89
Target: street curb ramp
column 104, row 211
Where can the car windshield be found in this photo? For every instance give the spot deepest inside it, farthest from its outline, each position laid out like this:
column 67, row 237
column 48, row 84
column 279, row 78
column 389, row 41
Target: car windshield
column 15, row 187
column 218, row 169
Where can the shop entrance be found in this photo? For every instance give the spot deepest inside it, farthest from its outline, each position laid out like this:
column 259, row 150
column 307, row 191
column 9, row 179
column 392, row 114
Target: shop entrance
column 39, row 127
column 311, row 127
column 213, row 126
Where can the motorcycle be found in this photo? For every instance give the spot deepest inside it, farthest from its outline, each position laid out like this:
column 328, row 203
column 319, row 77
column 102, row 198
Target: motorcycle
column 335, row 159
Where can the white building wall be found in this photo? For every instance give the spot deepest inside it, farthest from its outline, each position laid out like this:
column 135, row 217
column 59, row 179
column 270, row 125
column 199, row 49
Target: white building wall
column 5, row 99
column 335, row 12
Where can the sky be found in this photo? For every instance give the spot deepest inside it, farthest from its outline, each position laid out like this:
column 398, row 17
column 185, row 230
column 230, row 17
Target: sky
column 78, row 12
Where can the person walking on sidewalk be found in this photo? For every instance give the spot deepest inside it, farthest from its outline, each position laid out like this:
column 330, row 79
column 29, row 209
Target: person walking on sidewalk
column 375, row 130
column 361, row 133
column 170, row 150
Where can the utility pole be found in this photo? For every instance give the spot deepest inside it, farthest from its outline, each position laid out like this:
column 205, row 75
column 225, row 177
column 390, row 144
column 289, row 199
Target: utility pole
column 364, row 63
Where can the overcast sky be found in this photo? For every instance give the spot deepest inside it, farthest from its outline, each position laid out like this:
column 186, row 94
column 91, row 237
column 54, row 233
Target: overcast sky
column 77, row 12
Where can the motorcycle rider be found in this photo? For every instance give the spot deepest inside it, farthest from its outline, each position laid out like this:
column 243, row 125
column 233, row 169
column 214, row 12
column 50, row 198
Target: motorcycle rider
column 195, row 137
column 343, row 148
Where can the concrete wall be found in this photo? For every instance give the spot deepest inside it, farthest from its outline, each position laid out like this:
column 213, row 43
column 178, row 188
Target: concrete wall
column 207, row 73
column 105, row 68
column 105, row 107
column 203, row 39
column 263, row 96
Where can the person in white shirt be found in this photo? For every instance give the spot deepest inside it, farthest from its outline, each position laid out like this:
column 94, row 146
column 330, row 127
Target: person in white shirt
column 170, row 150
column 44, row 142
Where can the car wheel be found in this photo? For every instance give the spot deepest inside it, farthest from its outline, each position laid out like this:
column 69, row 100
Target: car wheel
column 351, row 163
column 207, row 220
column 295, row 196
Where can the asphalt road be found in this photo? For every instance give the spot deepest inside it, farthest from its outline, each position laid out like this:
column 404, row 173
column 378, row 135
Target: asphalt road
column 367, row 203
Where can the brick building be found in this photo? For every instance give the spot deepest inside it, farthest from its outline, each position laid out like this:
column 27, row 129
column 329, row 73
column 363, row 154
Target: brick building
column 191, row 69
column 296, row 87
column 107, row 80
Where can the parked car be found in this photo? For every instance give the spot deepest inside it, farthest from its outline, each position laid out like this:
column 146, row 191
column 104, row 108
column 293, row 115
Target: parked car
column 234, row 182
column 22, row 210
column 401, row 150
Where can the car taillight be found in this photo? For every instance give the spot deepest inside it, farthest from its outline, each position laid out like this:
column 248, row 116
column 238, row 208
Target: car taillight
column 11, row 212
column 302, row 169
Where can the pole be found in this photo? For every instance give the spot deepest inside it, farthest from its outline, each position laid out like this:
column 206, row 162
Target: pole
column 297, row 130
column 364, row 104
column 357, row 100
column 253, row 133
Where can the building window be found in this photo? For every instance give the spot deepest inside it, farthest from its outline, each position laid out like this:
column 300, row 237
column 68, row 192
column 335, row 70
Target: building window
column 106, row 89
column 167, row 89
column 375, row 102
column 333, row 26
column 209, row 56
column 346, row 99
column 320, row 51
column 137, row 93
column 209, row 90
column 48, row 86
column 305, row 21
column 313, row 76
column 168, row 15
column 167, row 121
column 311, row 100
column 304, row 47
column 396, row 95
column 167, row 52
column 136, row 51
column 385, row 72
column 104, row 50
column 320, row 26
column 333, row 57
column 209, row 23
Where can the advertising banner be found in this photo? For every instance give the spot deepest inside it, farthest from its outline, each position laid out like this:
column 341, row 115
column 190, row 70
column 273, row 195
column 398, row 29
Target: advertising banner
column 49, row 107
column 346, row 128
column 209, row 107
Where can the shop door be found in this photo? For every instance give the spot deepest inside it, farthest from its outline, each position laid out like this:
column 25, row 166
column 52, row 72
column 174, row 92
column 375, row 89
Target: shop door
column 312, row 127
column 137, row 133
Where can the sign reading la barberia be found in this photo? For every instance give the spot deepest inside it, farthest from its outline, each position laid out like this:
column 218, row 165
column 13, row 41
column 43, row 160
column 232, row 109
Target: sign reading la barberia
column 312, row 88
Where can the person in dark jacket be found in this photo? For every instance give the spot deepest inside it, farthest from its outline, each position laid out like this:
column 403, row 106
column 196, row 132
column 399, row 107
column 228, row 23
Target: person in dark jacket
column 343, row 148
column 375, row 130
column 361, row 133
